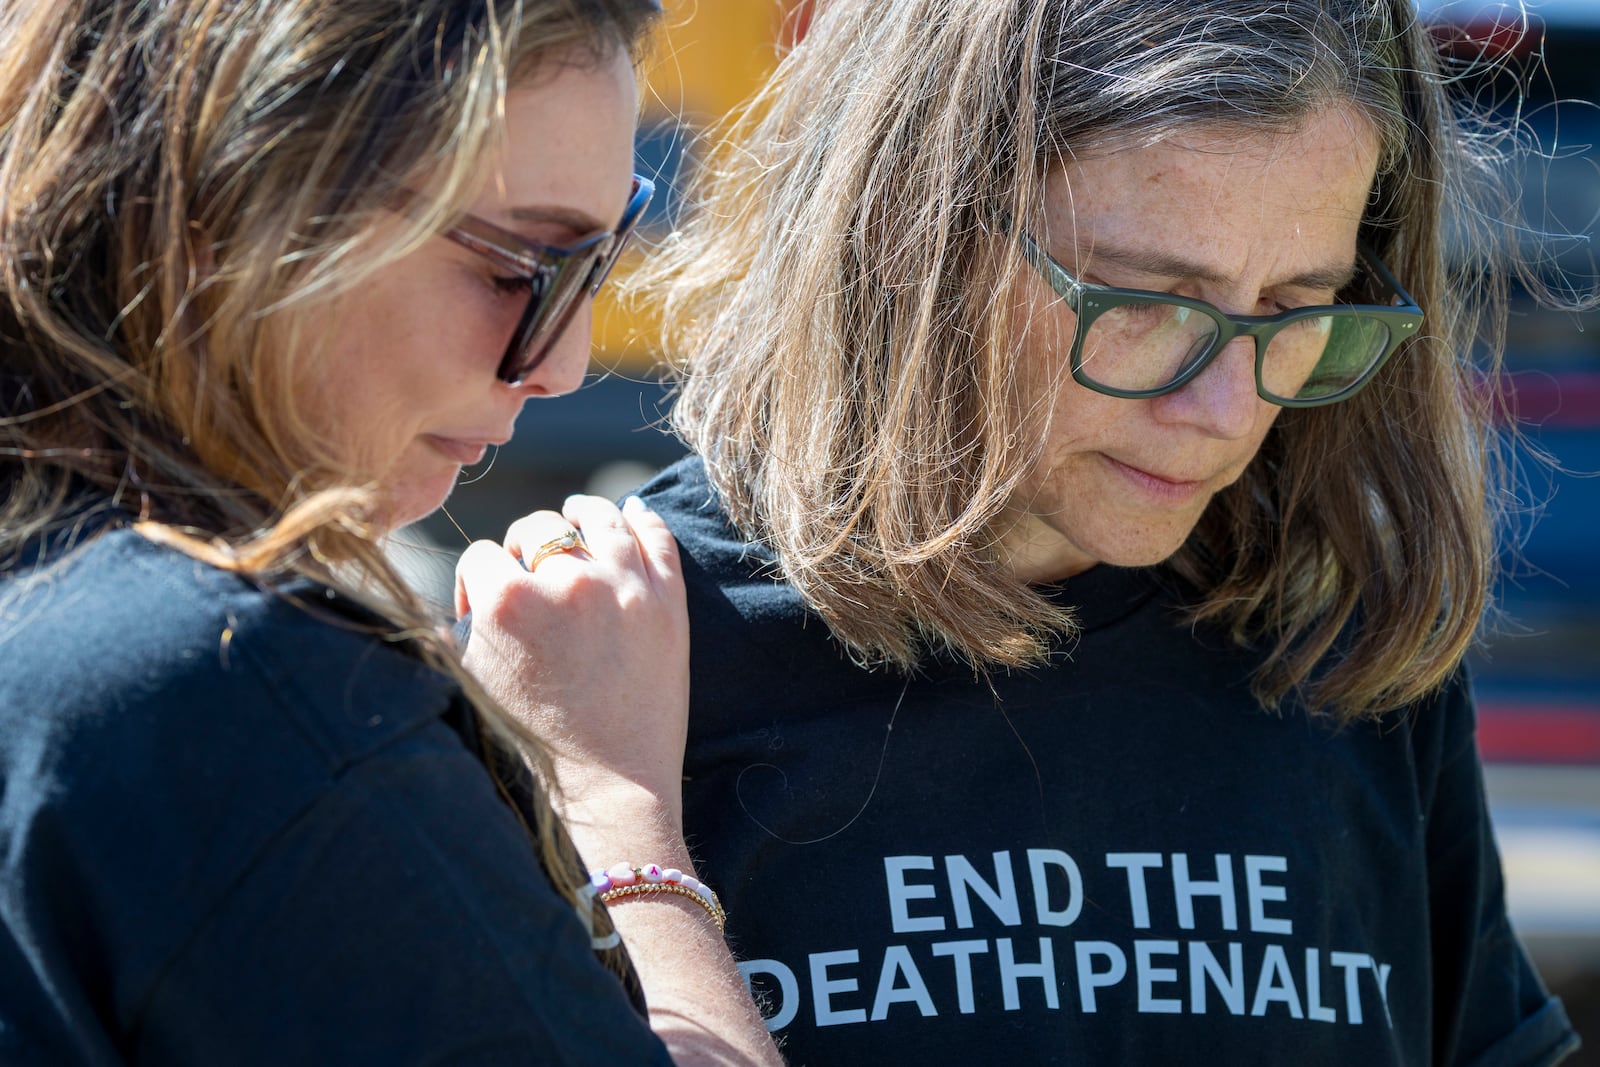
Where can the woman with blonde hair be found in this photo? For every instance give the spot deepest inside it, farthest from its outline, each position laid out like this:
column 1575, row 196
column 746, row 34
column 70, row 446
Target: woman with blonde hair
column 272, row 274
column 1093, row 502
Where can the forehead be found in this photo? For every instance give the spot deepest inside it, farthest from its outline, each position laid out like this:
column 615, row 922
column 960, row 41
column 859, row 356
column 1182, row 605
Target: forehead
column 568, row 140
column 1220, row 186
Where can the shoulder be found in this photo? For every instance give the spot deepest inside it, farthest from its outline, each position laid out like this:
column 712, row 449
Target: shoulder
column 137, row 675
column 752, row 629
column 150, row 697
column 1492, row 1006
column 163, row 726
column 1440, row 733
column 229, row 805
column 722, row 567
column 127, row 633
column 684, row 496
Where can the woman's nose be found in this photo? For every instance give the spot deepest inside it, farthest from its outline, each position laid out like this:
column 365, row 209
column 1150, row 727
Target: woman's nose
column 1221, row 401
column 563, row 367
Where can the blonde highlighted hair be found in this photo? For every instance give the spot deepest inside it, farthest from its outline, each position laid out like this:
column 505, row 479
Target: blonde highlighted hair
column 181, row 183
column 839, row 314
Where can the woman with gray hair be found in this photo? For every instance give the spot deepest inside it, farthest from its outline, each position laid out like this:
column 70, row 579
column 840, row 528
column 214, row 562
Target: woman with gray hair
column 1093, row 502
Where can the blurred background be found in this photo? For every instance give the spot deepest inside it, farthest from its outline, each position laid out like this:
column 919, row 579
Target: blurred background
column 1538, row 671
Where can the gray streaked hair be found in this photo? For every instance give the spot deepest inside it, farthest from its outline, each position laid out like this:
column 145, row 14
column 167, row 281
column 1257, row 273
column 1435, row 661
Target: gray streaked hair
column 838, row 313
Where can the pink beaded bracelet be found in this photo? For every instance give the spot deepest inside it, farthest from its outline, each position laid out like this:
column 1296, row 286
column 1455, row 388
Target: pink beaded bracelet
column 621, row 881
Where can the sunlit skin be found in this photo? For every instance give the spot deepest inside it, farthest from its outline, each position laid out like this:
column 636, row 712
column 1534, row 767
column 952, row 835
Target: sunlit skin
column 408, row 387
column 1252, row 223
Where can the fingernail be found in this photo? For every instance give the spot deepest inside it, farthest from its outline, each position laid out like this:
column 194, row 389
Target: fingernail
column 633, row 503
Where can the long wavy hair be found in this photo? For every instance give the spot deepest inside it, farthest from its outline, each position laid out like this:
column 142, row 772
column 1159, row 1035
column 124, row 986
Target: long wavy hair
column 839, row 313
column 181, row 183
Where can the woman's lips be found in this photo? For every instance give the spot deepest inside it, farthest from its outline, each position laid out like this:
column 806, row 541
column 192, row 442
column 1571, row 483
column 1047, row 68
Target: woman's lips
column 1163, row 490
column 465, row 453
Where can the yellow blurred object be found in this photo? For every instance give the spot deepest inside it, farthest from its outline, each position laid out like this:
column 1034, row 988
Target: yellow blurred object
column 624, row 338
column 708, row 57
column 713, row 53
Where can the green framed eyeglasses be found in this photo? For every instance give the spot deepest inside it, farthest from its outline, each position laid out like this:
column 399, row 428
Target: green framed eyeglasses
column 1136, row 344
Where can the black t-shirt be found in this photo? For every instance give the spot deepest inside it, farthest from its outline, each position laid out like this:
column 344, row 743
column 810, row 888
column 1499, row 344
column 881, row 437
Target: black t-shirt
column 1121, row 858
column 237, row 832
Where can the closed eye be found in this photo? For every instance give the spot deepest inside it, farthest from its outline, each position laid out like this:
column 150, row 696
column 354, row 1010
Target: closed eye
column 513, row 283
column 1283, row 307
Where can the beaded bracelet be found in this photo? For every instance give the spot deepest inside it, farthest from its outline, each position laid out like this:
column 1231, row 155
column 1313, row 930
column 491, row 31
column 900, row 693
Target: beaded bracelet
column 624, row 880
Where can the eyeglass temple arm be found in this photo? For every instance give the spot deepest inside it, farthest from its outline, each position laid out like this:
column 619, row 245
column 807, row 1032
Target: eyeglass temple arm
column 1063, row 283
column 1377, row 266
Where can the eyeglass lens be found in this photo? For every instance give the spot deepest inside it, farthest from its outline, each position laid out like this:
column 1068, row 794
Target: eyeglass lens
column 555, row 294
column 1146, row 345
column 556, row 291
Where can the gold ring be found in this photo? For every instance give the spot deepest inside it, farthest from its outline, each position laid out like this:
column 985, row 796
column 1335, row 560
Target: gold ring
column 565, row 543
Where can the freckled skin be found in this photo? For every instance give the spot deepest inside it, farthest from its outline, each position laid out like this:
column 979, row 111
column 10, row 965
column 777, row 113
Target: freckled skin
column 411, row 363
column 1125, row 481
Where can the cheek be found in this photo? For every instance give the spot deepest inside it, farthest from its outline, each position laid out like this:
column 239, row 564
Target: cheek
column 1266, row 416
column 1082, row 420
column 1042, row 328
column 332, row 375
column 431, row 316
column 471, row 325
column 417, row 352
column 364, row 379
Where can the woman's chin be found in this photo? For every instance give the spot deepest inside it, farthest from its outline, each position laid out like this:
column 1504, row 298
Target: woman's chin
column 414, row 500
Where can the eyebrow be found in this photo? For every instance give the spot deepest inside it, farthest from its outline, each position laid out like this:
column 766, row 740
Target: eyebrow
column 1166, row 265
column 578, row 221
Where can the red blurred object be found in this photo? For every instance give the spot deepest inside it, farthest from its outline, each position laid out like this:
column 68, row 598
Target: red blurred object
column 796, row 21
column 1539, row 733
column 1570, row 399
column 1490, row 37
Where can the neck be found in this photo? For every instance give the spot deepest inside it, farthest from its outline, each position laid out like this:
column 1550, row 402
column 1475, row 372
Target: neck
column 1038, row 554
